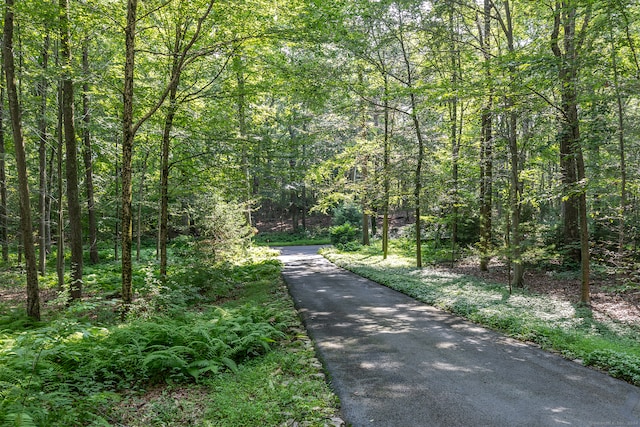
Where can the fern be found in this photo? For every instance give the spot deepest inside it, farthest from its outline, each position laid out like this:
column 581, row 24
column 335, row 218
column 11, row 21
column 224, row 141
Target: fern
column 20, row 419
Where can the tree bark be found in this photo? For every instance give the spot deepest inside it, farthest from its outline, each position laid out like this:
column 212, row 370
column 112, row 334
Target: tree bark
column 88, row 157
column 455, row 128
column 42, row 156
column 238, row 65
column 417, row 189
column 515, row 193
column 73, row 197
column 128, row 135
column 140, row 202
column 621, row 150
column 571, row 157
column 486, row 148
column 60, row 247
column 387, row 170
column 4, row 229
column 33, row 291
column 165, row 150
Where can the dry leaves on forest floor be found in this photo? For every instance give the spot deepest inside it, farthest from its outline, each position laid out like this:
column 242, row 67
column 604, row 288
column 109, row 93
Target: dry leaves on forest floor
column 608, row 300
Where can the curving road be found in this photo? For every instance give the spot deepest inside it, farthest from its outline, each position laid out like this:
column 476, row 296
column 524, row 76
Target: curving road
column 397, row 362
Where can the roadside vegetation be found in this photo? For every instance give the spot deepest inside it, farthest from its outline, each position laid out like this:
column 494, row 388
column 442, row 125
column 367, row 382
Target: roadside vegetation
column 554, row 324
column 215, row 344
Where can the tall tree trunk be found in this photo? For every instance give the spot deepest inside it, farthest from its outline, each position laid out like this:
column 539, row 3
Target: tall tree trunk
column 128, row 136
column 387, row 170
column 130, row 129
column 4, row 228
column 60, row 247
column 165, row 150
column 456, row 125
column 515, row 192
column 33, row 291
column 238, row 65
column 73, row 197
column 621, row 150
column 486, row 148
column 88, row 157
column 118, row 213
column 417, row 182
column 42, row 156
column 48, row 202
column 140, row 200
column 366, row 219
column 571, row 158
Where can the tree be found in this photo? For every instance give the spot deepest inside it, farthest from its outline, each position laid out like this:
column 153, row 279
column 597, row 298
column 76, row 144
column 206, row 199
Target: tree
column 486, row 142
column 130, row 128
column 504, row 16
column 73, row 196
column 33, row 291
column 571, row 157
column 42, row 155
column 128, row 135
column 4, row 234
column 88, row 156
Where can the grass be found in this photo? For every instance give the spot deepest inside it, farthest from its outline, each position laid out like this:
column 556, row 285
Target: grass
column 551, row 323
column 214, row 345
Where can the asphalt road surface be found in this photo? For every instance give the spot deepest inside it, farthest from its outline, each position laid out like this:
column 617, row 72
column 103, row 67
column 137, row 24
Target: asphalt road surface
column 396, row 362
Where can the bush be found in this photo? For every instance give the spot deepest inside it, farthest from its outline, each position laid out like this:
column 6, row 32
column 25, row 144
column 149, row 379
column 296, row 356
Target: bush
column 347, row 213
column 223, row 225
column 343, row 234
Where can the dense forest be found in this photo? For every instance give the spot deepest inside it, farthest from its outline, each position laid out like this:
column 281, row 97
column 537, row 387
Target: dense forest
column 504, row 127
column 154, row 138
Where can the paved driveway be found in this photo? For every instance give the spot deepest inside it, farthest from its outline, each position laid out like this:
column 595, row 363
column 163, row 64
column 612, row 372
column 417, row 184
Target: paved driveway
column 397, row 362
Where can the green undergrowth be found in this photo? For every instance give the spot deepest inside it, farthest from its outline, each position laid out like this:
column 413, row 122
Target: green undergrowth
column 551, row 323
column 203, row 335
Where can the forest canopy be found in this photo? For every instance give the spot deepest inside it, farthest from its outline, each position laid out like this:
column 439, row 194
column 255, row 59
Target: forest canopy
column 506, row 129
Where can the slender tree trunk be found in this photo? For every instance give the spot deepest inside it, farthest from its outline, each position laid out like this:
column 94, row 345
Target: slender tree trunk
column 140, row 200
column 515, row 197
column 118, row 213
column 88, row 157
column 304, row 206
column 165, row 150
column 486, row 149
column 50, row 184
column 4, row 228
column 387, row 170
column 73, row 197
column 417, row 179
column 622, row 152
column 164, row 184
column 33, row 291
column 130, row 129
column 364, row 173
column 238, row 65
column 60, row 247
column 456, row 124
column 417, row 194
column 572, row 162
column 128, row 135
column 42, row 156
column 515, row 194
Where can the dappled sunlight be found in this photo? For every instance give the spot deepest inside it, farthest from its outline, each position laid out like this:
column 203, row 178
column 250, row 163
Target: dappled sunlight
column 443, row 366
column 446, row 345
column 386, row 350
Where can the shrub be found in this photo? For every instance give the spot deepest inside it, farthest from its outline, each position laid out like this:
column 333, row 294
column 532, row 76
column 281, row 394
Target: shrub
column 223, row 225
column 347, row 213
column 343, row 234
